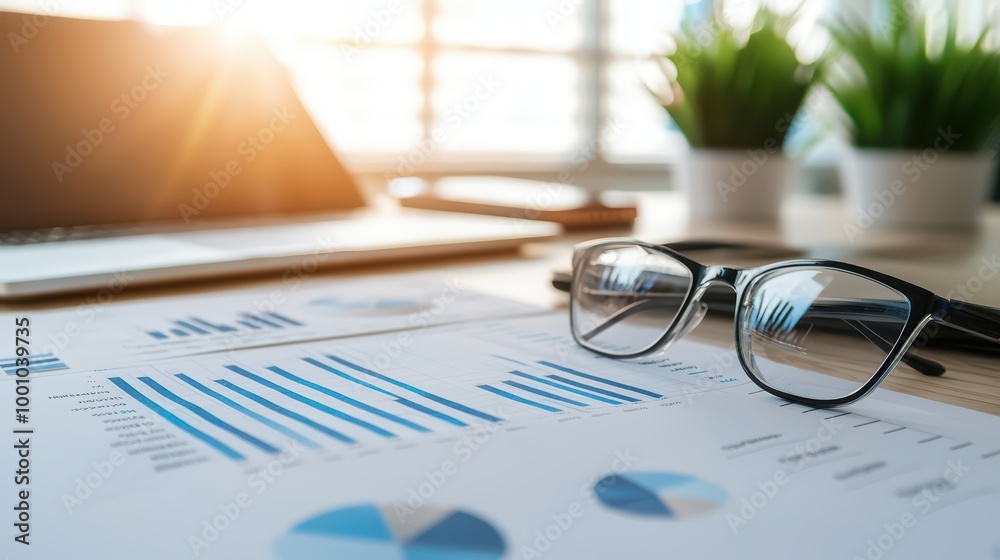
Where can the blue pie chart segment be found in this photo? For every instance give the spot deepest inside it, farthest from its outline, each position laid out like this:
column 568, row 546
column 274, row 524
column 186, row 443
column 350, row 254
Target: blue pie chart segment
column 365, row 307
column 659, row 494
column 385, row 533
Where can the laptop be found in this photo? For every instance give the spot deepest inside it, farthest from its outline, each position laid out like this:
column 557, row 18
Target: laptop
column 135, row 154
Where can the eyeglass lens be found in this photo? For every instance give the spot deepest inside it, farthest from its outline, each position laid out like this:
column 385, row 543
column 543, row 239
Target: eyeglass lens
column 626, row 297
column 817, row 332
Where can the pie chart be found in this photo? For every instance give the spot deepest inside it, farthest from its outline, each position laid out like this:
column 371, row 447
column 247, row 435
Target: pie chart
column 659, row 494
column 366, row 307
column 376, row 532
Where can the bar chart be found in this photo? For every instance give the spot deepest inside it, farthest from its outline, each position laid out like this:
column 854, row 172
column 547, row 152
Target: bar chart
column 566, row 390
column 329, row 402
column 258, row 410
column 38, row 363
column 243, row 323
column 352, row 396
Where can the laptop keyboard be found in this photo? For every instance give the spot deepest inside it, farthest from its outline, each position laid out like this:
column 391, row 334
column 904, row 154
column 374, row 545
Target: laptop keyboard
column 54, row 234
column 50, row 235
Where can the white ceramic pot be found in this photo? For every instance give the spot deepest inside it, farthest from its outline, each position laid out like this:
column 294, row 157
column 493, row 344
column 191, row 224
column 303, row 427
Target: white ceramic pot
column 745, row 185
column 899, row 189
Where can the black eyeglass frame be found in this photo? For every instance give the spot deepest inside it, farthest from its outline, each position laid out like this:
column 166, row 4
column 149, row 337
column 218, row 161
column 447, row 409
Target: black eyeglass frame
column 924, row 307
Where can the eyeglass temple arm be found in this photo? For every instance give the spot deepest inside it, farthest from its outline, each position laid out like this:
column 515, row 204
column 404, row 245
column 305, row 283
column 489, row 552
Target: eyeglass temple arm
column 920, row 364
column 977, row 320
column 623, row 313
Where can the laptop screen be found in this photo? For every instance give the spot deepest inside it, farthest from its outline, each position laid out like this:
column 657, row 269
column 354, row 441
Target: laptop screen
column 111, row 122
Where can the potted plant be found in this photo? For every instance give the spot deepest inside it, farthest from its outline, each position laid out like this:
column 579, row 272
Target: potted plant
column 734, row 94
column 923, row 108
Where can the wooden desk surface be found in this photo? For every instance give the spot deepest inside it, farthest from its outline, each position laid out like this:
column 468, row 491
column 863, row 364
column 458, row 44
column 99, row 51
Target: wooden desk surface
column 947, row 263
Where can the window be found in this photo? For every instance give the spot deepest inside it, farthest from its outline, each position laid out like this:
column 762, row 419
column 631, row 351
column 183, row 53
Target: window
column 469, row 85
column 499, row 82
column 526, row 83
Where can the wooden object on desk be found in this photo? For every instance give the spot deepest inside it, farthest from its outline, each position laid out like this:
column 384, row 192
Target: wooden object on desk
column 567, row 205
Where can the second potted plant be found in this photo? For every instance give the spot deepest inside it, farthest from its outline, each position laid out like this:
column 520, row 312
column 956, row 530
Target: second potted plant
column 734, row 95
column 923, row 108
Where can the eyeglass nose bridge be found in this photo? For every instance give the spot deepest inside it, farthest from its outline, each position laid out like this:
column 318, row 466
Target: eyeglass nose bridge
column 715, row 274
column 731, row 277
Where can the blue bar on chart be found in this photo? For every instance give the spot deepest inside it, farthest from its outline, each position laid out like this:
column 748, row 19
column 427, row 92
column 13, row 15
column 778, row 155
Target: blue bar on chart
column 247, row 322
column 310, row 402
column 173, row 419
column 611, row 394
column 546, row 394
column 191, row 328
column 36, row 363
column 276, row 426
column 283, row 318
column 347, row 400
column 270, row 405
column 610, row 382
column 563, row 387
column 431, row 412
column 438, row 399
column 209, row 417
column 403, row 401
column 516, row 398
column 214, row 326
column 259, row 319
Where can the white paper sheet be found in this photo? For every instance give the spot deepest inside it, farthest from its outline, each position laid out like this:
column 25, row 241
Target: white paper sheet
column 103, row 332
column 448, row 453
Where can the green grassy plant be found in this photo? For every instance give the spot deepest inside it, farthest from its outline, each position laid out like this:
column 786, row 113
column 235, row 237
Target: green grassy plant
column 904, row 81
column 733, row 90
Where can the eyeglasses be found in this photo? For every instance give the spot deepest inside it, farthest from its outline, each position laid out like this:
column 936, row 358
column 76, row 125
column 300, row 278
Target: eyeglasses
column 817, row 332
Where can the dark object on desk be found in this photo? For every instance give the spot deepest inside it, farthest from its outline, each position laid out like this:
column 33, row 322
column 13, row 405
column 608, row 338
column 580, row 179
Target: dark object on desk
column 567, row 205
column 721, row 300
